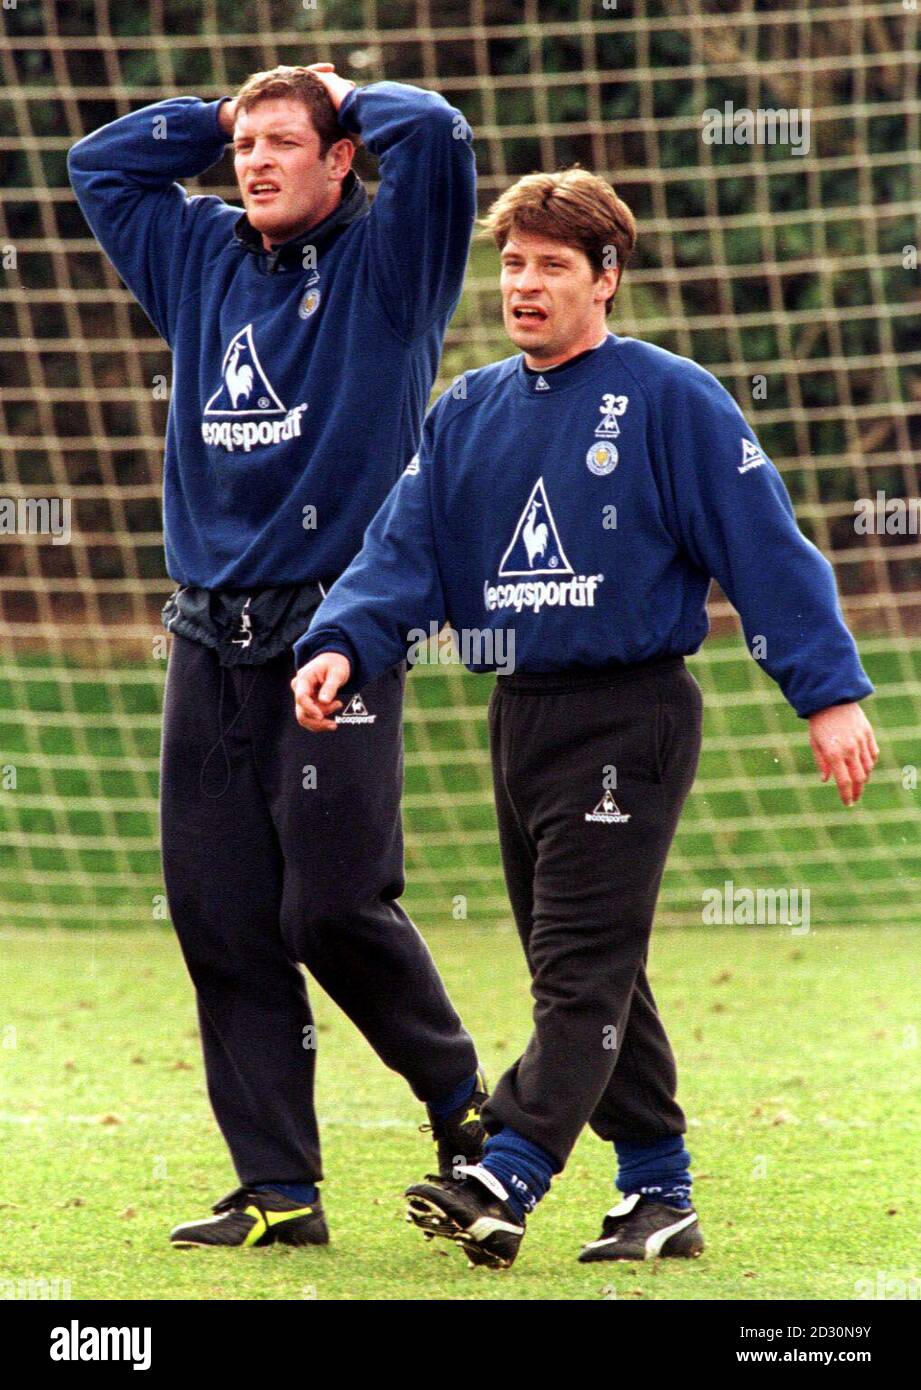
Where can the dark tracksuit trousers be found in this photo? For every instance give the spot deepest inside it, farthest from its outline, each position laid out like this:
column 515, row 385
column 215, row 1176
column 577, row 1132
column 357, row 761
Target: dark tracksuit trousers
column 264, row 870
column 583, row 891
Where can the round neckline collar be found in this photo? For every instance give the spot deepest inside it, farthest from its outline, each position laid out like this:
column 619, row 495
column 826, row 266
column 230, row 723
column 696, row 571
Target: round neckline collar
column 536, row 384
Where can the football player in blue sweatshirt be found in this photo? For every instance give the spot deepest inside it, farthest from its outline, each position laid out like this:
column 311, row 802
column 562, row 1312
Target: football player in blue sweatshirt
column 306, row 331
column 566, row 514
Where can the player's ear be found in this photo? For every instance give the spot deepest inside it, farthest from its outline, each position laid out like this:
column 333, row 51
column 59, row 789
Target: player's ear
column 608, row 283
column 339, row 158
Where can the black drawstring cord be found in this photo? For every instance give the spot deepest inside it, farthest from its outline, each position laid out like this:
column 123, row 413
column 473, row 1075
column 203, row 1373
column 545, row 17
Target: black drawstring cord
column 221, row 732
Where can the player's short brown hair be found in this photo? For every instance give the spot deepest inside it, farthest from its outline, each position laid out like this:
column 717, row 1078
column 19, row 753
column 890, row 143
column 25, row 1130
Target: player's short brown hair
column 574, row 207
column 296, row 84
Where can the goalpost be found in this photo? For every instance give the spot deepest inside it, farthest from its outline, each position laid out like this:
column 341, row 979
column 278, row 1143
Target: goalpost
column 771, row 156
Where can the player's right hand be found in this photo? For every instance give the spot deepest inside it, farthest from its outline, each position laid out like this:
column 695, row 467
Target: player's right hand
column 315, row 687
column 227, row 116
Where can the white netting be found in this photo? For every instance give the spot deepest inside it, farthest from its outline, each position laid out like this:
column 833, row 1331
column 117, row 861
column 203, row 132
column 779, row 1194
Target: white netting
column 753, row 259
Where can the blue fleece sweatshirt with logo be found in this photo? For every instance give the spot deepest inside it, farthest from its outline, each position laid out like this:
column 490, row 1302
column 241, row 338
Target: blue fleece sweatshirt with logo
column 298, row 391
column 584, row 512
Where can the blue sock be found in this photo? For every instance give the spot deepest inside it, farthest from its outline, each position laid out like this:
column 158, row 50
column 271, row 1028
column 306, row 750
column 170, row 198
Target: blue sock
column 658, row 1168
column 524, row 1169
column 446, row 1105
column 304, row 1192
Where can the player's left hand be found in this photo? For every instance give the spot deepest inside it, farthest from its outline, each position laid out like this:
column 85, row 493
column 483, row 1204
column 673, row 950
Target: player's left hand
column 844, row 747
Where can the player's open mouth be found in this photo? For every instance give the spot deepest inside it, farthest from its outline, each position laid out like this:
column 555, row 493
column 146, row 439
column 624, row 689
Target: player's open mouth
column 263, row 190
column 530, row 313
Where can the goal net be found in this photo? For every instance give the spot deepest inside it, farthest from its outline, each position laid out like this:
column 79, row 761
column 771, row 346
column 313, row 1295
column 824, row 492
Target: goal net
column 771, row 155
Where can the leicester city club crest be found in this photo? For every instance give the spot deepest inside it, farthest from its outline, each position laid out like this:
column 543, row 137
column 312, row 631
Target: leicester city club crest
column 602, row 457
column 310, row 303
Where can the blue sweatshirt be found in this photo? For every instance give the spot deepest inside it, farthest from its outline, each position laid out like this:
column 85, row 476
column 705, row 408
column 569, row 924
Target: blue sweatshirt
column 585, row 511
column 298, row 394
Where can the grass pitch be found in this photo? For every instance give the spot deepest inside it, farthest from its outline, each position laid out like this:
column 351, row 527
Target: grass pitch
column 798, row 1058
